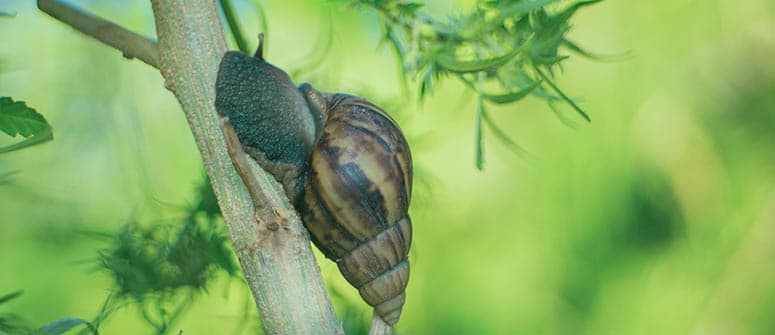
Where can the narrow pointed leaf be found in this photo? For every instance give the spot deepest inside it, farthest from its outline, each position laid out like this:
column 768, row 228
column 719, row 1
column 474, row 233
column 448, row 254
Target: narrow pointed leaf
column 562, row 94
column 594, row 56
column 559, row 114
column 46, row 135
column 502, row 136
column 568, row 12
column 63, row 325
column 511, row 97
column 12, row 295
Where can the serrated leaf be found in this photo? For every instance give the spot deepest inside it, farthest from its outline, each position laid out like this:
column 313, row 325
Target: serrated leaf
column 13, row 295
column 511, row 97
column 62, row 325
column 18, row 119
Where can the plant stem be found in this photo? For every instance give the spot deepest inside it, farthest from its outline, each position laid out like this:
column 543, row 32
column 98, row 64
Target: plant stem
column 270, row 242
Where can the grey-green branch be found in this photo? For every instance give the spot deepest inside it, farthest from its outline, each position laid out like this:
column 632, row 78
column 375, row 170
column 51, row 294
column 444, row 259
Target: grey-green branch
column 271, row 244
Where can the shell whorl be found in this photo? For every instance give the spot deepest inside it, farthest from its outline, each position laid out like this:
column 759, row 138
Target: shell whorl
column 356, row 201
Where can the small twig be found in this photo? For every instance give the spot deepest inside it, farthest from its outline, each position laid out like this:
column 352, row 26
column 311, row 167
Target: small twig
column 237, row 154
column 130, row 44
column 378, row 326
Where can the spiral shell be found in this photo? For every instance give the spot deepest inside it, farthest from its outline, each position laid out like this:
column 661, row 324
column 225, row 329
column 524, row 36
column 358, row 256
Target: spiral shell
column 356, row 201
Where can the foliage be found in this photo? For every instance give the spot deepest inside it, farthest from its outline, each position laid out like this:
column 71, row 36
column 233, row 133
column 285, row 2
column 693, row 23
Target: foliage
column 162, row 267
column 63, row 325
column 13, row 324
column 16, row 118
column 504, row 50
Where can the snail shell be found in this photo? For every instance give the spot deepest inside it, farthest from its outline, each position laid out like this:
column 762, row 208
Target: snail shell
column 342, row 161
column 358, row 188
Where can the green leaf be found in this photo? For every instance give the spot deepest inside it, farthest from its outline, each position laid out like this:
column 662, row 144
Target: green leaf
column 511, row 97
column 17, row 118
column 594, row 56
column 561, row 116
column 10, row 296
column 63, row 325
column 501, row 135
column 7, row 15
column 46, row 135
column 562, row 94
column 567, row 13
column 411, row 7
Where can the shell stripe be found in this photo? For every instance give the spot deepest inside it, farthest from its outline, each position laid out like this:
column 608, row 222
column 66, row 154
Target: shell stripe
column 396, row 137
column 404, row 194
column 376, row 136
column 396, row 161
column 372, row 201
column 342, row 187
column 331, row 220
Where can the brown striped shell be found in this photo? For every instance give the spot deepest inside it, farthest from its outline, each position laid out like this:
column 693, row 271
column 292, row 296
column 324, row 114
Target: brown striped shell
column 356, row 201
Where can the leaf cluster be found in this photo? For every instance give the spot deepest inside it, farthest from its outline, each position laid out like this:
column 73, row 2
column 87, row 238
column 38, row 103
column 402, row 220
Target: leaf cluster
column 503, row 50
column 162, row 267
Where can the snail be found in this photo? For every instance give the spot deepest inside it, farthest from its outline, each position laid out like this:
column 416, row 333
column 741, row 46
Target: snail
column 344, row 164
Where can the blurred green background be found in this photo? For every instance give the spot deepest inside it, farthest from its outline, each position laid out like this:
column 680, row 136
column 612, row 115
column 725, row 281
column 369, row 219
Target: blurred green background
column 656, row 218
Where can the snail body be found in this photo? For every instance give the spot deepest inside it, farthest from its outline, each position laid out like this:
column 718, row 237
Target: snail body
column 343, row 162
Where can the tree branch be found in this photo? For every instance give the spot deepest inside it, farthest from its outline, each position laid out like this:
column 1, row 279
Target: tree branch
column 270, row 242
column 130, row 44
